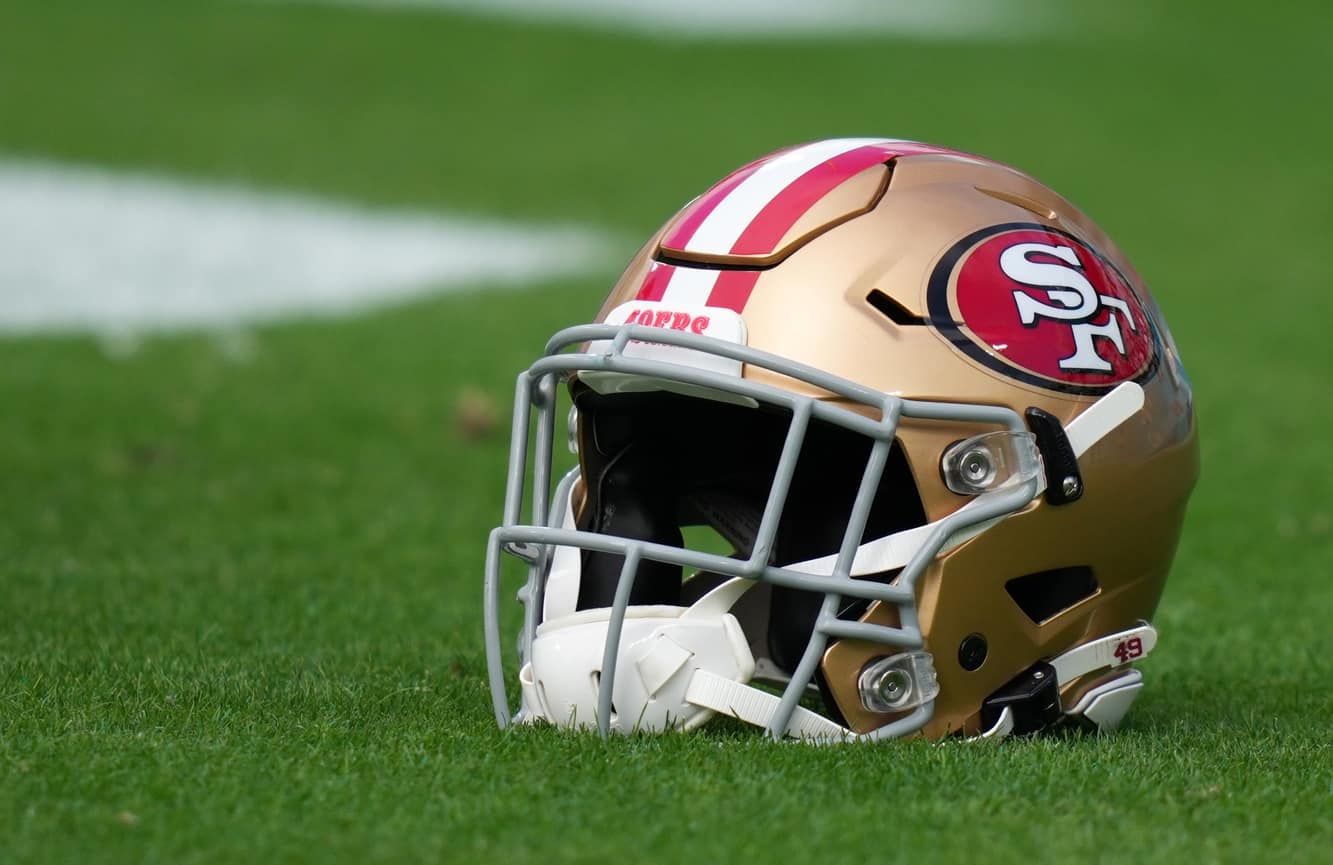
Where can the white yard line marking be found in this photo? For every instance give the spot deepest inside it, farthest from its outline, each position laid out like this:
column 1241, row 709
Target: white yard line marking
column 934, row 20
column 87, row 249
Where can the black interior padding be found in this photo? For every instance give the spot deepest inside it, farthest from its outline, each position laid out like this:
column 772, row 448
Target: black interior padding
column 650, row 459
column 1046, row 594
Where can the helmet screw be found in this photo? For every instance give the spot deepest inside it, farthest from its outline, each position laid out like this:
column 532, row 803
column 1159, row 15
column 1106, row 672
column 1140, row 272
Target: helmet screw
column 1070, row 486
column 1039, row 675
column 892, row 686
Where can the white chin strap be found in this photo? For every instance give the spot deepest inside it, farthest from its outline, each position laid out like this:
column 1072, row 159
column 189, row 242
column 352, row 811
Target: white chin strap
column 678, row 666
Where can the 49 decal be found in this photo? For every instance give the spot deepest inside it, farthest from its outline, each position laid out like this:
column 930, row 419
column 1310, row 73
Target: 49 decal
column 1039, row 305
column 1128, row 650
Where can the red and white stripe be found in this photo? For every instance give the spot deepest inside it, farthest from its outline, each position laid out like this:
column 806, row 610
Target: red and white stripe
column 751, row 210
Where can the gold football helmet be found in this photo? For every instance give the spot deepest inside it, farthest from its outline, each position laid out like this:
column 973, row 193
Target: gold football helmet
column 874, row 438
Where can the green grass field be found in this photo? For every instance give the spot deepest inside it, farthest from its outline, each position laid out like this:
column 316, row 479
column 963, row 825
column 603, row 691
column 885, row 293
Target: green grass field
column 241, row 600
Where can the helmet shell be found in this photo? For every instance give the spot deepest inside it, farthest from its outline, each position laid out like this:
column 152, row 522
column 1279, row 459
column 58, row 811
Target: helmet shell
column 898, row 274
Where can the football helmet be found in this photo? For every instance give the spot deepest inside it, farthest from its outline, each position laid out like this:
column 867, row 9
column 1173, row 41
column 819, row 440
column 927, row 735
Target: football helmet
column 873, row 438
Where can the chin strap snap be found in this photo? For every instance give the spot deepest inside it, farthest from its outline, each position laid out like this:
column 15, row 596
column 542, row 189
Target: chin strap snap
column 1031, row 701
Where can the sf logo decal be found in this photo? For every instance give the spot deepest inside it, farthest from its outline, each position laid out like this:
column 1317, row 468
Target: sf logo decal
column 1071, row 297
column 1041, row 306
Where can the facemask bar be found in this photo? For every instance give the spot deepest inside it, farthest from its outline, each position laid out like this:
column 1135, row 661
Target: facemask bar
column 535, row 542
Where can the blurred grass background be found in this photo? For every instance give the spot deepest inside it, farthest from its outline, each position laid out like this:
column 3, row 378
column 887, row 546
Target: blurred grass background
column 243, row 597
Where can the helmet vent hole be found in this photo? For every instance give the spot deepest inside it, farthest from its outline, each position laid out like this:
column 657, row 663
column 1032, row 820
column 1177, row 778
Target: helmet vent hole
column 1046, row 594
column 893, row 310
column 596, row 691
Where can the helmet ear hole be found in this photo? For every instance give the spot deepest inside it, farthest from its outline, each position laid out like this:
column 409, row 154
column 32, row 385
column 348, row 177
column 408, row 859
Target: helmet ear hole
column 972, row 652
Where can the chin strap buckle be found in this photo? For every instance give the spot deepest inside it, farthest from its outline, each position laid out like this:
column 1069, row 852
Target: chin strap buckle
column 1030, row 702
